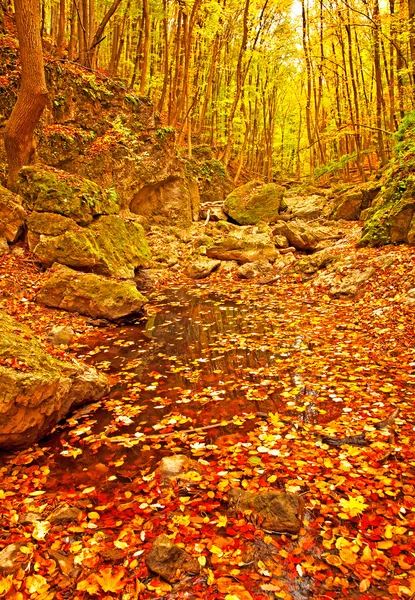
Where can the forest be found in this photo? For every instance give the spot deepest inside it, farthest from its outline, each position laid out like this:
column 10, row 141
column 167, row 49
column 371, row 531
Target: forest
column 207, row 299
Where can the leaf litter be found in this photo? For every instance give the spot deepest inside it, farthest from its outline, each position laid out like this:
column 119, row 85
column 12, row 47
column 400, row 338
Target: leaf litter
column 252, row 383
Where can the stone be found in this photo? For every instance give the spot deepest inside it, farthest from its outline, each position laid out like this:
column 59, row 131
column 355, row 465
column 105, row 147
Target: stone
column 60, row 335
column 252, row 270
column 4, row 246
column 45, row 189
column 174, row 200
column 64, row 513
column 254, row 202
column 307, row 208
column 176, row 466
column 298, row 234
column 243, row 247
column 281, row 241
column 48, row 223
column 311, row 264
column 12, row 559
column 90, row 294
column 348, row 206
column 201, row 267
column 36, row 389
column 272, row 511
column 168, row 560
column 212, row 213
column 12, row 215
column 351, row 283
column 110, row 246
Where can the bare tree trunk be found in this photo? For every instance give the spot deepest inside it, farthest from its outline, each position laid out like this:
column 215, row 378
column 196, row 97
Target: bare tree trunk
column 61, row 31
column 144, row 64
column 33, row 93
column 378, row 79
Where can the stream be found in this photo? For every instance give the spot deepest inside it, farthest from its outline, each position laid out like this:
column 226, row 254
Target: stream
column 197, row 360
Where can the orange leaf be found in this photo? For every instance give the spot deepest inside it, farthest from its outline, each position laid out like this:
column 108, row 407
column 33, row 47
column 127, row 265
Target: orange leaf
column 109, row 581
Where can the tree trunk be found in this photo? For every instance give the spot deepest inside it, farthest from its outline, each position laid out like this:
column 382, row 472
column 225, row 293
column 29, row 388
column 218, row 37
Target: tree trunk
column 33, row 93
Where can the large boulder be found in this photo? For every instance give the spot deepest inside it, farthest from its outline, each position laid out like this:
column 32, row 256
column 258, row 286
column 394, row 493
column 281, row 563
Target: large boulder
column 351, row 202
column 175, row 200
column 12, row 215
column 307, row 208
column 254, row 202
column 109, row 246
column 45, row 189
column 300, row 235
column 244, row 247
column 91, row 295
column 391, row 219
column 37, row 390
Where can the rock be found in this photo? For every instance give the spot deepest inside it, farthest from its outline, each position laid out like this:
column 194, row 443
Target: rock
column 307, row 208
column 299, row 235
column 252, row 270
column 48, row 223
column 60, row 335
column 281, row 241
column 29, row 518
column 110, row 246
column 45, row 189
column 63, row 514
column 348, row 206
column 37, row 390
column 311, row 264
column 385, row 261
column 273, row 511
column 91, row 295
column 244, row 247
column 201, row 268
column 176, row 465
column 254, row 202
column 228, row 266
column 351, row 283
column 12, row 215
column 391, row 220
column 175, row 200
column 4, row 246
column 12, row 559
column 168, row 560
column 215, row 213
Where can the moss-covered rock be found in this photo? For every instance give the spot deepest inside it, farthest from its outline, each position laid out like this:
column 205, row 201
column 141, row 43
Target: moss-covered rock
column 254, row 202
column 12, row 215
column 37, row 390
column 91, row 295
column 110, row 246
column 48, row 223
column 391, row 219
column 45, row 189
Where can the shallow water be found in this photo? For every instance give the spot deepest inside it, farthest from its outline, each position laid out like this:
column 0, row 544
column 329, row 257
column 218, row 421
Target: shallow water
column 198, row 360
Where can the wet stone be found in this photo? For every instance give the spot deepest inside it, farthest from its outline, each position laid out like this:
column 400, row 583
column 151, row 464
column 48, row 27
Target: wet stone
column 61, row 514
column 277, row 512
column 169, row 561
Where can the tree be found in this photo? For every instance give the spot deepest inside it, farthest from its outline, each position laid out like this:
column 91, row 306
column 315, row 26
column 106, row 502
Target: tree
column 33, row 93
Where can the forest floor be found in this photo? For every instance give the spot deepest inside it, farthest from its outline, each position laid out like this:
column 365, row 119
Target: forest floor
column 257, row 383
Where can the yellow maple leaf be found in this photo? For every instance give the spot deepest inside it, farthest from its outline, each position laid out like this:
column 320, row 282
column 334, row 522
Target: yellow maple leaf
column 109, row 581
column 353, row 506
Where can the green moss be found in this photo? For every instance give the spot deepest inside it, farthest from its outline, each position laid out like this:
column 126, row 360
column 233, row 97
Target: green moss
column 55, row 191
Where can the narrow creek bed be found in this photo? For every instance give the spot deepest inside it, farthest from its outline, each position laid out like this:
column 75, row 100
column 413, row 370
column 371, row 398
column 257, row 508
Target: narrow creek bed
column 248, row 383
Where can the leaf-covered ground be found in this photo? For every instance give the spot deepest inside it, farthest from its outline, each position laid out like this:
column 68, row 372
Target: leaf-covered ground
column 257, row 383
